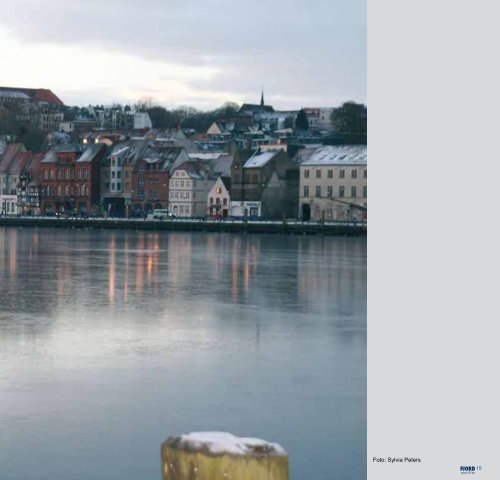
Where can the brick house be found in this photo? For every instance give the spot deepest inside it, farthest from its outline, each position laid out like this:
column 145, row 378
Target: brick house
column 150, row 180
column 69, row 178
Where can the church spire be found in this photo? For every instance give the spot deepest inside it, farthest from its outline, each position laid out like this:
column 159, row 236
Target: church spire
column 262, row 98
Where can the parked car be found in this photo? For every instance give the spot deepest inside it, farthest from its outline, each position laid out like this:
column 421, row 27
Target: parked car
column 161, row 214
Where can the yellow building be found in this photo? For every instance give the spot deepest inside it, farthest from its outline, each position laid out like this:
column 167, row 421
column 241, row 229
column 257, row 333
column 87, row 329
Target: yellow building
column 333, row 183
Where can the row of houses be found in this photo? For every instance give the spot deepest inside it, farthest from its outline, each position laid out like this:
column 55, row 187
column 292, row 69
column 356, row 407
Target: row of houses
column 130, row 178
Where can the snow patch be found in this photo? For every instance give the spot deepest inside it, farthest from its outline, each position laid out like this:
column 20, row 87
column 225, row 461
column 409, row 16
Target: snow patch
column 223, row 442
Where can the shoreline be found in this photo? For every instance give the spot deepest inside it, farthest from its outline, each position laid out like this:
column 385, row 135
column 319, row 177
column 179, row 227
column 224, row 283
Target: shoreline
column 273, row 227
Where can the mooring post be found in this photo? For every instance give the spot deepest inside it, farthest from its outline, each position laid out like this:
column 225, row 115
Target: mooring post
column 221, row 456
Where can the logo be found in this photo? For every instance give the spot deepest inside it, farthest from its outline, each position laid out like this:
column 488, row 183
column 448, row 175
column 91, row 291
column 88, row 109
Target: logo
column 470, row 469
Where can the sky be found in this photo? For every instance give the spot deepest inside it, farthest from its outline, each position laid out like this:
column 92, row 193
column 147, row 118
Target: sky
column 200, row 53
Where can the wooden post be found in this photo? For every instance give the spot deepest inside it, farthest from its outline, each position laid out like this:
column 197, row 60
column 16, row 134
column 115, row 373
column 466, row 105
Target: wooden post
column 221, row 456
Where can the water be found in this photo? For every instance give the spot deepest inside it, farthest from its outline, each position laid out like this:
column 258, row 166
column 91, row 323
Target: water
column 112, row 341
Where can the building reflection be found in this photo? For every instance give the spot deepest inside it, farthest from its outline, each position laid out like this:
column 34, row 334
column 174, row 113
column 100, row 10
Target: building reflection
column 111, row 283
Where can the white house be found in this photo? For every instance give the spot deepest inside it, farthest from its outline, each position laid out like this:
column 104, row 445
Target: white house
column 188, row 189
column 219, row 198
column 8, row 205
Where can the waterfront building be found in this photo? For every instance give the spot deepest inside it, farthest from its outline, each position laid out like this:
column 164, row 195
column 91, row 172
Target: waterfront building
column 219, row 198
column 28, row 190
column 189, row 187
column 264, row 184
column 117, row 170
column 333, row 183
column 70, row 178
column 151, row 176
column 8, row 155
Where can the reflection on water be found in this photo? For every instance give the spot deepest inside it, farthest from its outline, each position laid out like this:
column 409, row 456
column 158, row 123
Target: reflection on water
column 111, row 341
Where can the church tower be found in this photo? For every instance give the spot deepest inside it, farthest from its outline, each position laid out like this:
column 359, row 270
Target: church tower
column 262, row 99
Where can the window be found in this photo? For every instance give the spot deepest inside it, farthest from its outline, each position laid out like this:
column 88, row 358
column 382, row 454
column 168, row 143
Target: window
column 342, row 174
column 194, row 183
column 188, row 183
column 306, row 173
column 218, row 190
column 113, row 174
column 182, row 183
column 45, row 175
column 354, row 174
column 224, row 201
column 60, row 174
column 187, row 209
column 306, row 190
column 85, row 174
column 107, row 186
column 341, row 191
column 79, row 174
column 330, row 173
column 318, row 173
column 353, row 192
column 118, row 186
column 113, row 186
column 182, row 209
column 217, row 201
column 176, row 194
column 255, row 178
column 119, row 174
column 194, row 194
column 67, row 174
column 318, row 190
column 141, row 194
column 113, row 162
column 365, row 191
column 329, row 191
column 59, row 190
column 364, row 173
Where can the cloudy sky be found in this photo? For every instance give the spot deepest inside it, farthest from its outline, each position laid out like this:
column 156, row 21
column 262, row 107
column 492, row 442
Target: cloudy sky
column 192, row 52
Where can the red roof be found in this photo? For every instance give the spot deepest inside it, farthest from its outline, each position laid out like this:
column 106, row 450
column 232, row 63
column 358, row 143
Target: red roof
column 19, row 162
column 37, row 94
column 9, row 155
column 44, row 95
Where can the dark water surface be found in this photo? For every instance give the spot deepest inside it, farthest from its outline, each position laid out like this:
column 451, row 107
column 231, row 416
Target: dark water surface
column 112, row 341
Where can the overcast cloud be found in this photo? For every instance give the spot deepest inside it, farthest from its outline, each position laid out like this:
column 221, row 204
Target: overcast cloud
column 196, row 52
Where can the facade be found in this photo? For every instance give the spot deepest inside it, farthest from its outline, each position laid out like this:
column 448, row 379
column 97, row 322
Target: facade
column 333, row 184
column 8, row 205
column 28, row 191
column 117, row 170
column 264, row 185
column 319, row 118
column 189, row 187
column 69, row 178
column 38, row 106
column 8, row 179
column 219, row 198
column 151, row 177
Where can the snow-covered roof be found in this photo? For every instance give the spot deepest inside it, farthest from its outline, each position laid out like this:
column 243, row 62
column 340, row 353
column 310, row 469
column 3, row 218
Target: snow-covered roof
column 206, row 156
column 338, row 155
column 219, row 443
column 89, row 153
column 259, row 159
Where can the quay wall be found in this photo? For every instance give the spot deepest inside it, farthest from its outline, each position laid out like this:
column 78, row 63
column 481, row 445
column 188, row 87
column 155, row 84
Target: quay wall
column 285, row 228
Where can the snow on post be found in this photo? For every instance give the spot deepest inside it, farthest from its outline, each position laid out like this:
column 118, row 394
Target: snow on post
column 220, row 456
